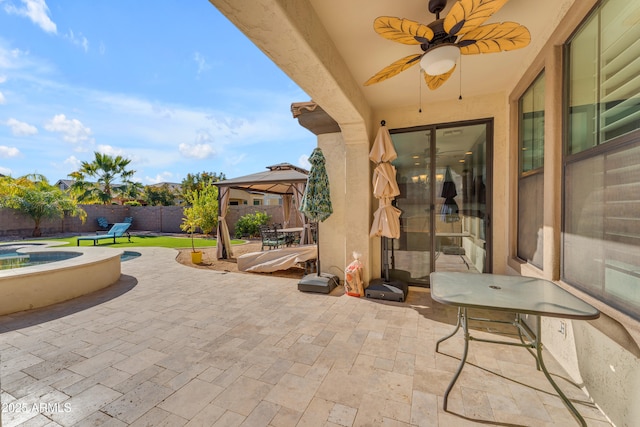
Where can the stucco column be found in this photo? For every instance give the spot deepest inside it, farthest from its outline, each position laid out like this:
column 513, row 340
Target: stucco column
column 347, row 162
column 346, row 151
column 552, row 163
column 358, row 199
column 331, row 232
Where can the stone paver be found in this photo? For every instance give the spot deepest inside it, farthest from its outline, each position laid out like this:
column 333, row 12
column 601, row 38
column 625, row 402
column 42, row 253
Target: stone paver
column 169, row 345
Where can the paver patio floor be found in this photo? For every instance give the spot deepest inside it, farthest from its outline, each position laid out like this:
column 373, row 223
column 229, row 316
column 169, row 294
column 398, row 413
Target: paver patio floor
column 170, row 345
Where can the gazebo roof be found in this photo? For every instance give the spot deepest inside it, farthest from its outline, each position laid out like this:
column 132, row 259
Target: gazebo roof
column 278, row 179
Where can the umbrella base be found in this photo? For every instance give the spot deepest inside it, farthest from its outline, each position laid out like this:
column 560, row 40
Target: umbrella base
column 324, row 283
column 390, row 290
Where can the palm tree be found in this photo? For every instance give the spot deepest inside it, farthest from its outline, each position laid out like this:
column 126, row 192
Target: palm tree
column 105, row 170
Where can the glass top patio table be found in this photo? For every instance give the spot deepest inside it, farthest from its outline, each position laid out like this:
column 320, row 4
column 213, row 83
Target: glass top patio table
column 291, row 230
column 514, row 294
column 518, row 294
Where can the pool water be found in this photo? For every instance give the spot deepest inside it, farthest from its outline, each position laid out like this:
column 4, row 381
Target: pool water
column 10, row 258
column 127, row 255
column 16, row 260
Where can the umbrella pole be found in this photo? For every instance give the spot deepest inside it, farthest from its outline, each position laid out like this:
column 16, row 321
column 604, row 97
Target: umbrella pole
column 318, row 248
column 385, row 250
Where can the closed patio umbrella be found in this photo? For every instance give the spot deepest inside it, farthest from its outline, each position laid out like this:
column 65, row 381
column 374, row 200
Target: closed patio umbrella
column 449, row 210
column 316, row 200
column 316, row 206
column 386, row 219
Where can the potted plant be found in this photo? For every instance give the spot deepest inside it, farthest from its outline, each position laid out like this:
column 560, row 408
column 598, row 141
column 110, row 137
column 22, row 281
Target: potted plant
column 190, row 223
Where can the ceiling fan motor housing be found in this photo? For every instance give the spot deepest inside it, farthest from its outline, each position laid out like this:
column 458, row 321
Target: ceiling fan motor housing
column 437, row 6
column 439, row 36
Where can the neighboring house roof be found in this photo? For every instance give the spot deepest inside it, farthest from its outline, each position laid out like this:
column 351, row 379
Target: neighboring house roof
column 64, row 184
column 174, row 186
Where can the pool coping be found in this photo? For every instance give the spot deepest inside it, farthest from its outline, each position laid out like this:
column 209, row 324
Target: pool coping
column 41, row 285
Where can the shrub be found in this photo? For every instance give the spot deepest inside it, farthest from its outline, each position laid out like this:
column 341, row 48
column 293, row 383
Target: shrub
column 249, row 224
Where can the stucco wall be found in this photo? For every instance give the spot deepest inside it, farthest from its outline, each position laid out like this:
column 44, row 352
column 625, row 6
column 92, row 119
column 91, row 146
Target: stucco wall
column 331, row 232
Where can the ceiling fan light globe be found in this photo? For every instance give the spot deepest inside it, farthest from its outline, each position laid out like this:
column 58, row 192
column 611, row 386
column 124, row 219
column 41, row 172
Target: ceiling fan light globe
column 440, row 59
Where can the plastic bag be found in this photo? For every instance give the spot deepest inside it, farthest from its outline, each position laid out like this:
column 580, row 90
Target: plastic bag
column 353, row 283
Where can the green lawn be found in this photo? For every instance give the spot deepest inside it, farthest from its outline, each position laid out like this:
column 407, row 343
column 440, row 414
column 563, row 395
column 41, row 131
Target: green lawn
column 158, row 241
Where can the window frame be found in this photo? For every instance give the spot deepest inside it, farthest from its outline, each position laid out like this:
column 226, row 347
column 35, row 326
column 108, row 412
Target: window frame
column 601, row 149
column 531, row 173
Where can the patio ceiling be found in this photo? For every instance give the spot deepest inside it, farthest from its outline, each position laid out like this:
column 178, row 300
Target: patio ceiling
column 348, row 26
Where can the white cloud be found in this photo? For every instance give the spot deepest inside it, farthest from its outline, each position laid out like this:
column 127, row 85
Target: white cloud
column 6, row 152
column 202, row 62
column 161, row 177
column 72, row 130
column 5, row 171
column 78, row 40
column 19, row 128
column 73, row 161
column 37, row 11
column 2, row 99
column 109, row 150
column 3, row 79
column 234, row 160
column 11, row 58
column 197, row 151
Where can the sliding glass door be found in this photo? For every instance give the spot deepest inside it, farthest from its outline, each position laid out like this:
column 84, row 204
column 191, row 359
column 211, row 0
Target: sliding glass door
column 443, row 176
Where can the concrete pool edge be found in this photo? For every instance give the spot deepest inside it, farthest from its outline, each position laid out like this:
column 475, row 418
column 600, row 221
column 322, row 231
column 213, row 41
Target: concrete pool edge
column 46, row 284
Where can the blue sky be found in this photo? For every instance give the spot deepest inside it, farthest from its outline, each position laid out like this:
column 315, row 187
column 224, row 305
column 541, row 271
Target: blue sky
column 169, row 84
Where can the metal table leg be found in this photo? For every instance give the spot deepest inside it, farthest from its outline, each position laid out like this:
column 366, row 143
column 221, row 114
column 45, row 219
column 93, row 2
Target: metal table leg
column 565, row 400
column 462, row 320
column 452, row 333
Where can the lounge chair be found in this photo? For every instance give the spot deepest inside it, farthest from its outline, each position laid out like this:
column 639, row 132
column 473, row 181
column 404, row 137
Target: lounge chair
column 103, row 223
column 117, row 230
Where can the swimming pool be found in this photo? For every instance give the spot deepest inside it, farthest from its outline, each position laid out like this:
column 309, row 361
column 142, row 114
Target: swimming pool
column 79, row 271
column 11, row 258
column 17, row 260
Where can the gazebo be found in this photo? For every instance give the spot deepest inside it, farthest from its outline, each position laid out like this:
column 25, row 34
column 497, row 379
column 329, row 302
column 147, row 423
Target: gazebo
column 283, row 179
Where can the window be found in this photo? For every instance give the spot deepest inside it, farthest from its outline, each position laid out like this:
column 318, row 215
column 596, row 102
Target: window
column 531, row 177
column 601, row 213
column 257, row 202
column 604, row 100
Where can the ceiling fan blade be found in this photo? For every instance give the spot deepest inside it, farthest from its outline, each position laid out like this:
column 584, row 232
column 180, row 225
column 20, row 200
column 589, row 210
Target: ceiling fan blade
column 493, row 38
column 395, row 68
column 465, row 15
column 402, row 30
column 434, row 82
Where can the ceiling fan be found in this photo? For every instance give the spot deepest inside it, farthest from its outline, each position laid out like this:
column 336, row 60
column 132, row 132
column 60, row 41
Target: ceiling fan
column 460, row 32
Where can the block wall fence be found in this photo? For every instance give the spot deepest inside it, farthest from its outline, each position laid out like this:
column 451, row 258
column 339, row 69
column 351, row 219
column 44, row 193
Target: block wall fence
column 155, row 219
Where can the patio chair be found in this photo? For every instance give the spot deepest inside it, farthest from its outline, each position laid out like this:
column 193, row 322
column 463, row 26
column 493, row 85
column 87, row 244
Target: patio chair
column 103, row 223
column 271, row 238
column 117, row 230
